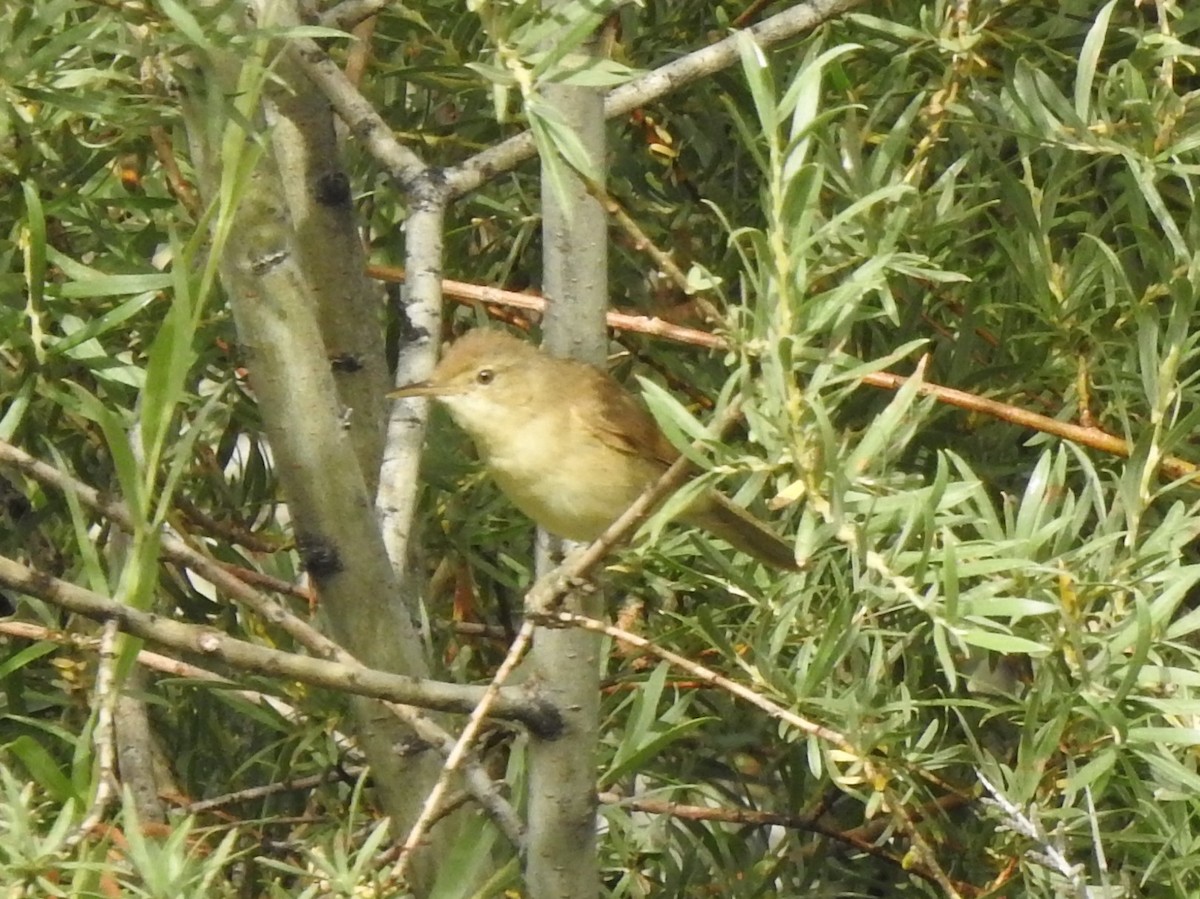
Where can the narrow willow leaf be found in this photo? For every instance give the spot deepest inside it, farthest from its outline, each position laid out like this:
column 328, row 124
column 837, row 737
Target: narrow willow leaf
column 1089, row 56
column 1003, row 642
column 758, row 79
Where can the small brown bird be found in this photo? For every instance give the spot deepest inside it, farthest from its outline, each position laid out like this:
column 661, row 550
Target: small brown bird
column 568, row 445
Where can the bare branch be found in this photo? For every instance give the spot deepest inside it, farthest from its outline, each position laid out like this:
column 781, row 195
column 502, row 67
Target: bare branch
column 359, row 115
column 467, row 293
column 652, row 86
column 207, row 642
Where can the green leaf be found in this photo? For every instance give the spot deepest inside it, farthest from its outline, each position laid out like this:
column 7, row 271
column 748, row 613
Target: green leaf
column 679, row 425
column 950, row 581
column 1144, row 629
column 588, row 71
column 802, row 101
column 188, row 25
column 945, row 655
column 648, row 729
column 18, row 405
column 1164, row 736
column 1006, row 643
column 42, row 768
column 1088, row 57
column 33, row 242
column 95, row 327
column 556, row 140
column 885, row 430
column 762, row 88
column 1089, row 775
column 117, row 285
column 116, row 437
column 23, row 657
column 171, row 356
column 1143, row 173
column 1178, row 583
column 564, row 29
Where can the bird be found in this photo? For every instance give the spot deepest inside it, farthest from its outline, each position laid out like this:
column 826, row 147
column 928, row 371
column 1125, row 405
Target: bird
column 568, row 445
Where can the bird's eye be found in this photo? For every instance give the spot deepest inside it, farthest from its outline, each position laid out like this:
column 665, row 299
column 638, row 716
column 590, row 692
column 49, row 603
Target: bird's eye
column 485, row 376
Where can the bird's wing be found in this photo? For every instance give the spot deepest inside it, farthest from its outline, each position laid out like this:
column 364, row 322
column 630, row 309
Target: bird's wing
column 622, row 422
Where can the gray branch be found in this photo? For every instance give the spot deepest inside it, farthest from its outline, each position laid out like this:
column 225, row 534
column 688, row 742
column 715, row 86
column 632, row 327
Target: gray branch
column 513, row 704
column 562, row 856
column 652, row 86
column 331, row 258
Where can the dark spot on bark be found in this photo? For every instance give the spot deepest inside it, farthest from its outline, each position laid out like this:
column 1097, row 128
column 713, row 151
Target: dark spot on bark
column 333, row 189
column 363, row 128
column 411, row 747
column 320, row 557
column 405, row 329
column 346, row 363
column 16, row 505
column 260, row 265
column 543, row 720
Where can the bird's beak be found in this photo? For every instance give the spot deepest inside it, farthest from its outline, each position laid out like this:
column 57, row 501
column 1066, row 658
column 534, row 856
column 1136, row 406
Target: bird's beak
column 417, row 388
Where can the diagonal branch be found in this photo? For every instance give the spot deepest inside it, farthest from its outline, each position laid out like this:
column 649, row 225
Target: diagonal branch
column 210, row 643
column 652, row 86
column 411, row 173
column 364, row 122
column 468, row 293
column 176, row 550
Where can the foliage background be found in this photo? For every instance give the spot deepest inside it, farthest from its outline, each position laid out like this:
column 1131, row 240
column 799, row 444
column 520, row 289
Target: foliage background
column 1008, row 187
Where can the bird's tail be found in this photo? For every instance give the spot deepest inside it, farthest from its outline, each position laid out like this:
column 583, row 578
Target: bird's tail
column 741, row 530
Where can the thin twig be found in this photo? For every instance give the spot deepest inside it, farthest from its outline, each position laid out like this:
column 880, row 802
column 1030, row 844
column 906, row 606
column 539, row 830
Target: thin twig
column 712, row 678
column 360, row 115
column 103, row 735
column 231, row 532
column 642, row 242
column 176, row 182
column 648, row 88
column 1048, row 855
column 176, row 668
column 464, row 292
column 349, row 13
column 208, row 642
column 349, row 678
column 871, row 771
column 176, row 550
column 860, row 838
column 1087, row 436
column 264, row 791
column 751, row 12
column 431, row 809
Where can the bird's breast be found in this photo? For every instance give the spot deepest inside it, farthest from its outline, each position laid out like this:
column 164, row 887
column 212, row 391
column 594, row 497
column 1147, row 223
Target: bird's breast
column 568, row 481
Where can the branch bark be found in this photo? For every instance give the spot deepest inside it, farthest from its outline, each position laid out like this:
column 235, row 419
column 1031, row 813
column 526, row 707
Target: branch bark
column 421, row 321
column 515, row 704
column 652, row 86
column 318, row 467
column 562, row 856
column 331, row 258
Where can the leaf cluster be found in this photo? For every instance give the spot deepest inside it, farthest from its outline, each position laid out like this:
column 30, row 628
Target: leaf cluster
column 995, row 196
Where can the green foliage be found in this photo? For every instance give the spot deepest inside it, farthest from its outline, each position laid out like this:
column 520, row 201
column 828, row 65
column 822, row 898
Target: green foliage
column 971, row 602
column 1001, row 201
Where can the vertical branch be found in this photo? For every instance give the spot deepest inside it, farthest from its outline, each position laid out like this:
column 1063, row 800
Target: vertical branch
column 269, row 273
column 421, row 324
column 321, row 480
column 575, row 235
column 561, row 858
column 330, row 256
